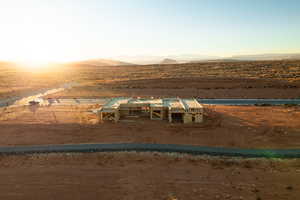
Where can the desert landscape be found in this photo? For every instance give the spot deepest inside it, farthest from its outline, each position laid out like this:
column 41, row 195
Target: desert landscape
column 150, row 100
column 147, row 176
column 223, row 126
column 248, row 127
column 226, row 126
column 240, row 79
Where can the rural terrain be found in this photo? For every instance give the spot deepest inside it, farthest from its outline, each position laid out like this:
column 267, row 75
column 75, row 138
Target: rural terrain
column 152, row 175
column 224, row 126
column 239, row 79
column 147, row 176
column 267, row 79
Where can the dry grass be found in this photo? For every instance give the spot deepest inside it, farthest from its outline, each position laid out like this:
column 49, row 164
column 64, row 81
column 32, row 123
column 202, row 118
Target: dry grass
column 14, row 81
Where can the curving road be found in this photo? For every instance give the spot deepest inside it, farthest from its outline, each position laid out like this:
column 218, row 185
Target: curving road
column 24, row 99
column 170, row 148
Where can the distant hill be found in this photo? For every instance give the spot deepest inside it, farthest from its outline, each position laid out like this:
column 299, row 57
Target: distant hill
column 5, row 63
column 216, row 60
column 168, row 61
column 195, row 58
column 181, row 58
column 102, row 62
column 267, row 57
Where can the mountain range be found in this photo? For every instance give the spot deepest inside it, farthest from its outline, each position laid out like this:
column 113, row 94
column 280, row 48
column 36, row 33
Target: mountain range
column 102, row 62
column 168, row 61
column 185, row 58
column 267, row 57
column 174, row 59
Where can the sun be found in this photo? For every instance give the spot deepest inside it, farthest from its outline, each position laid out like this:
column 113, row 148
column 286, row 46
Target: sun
column 34, row 65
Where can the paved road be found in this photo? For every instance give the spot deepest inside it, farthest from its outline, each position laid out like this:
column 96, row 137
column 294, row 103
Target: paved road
column 24, row 99
column 171, row 148
column 101, row 101
column 249, row 101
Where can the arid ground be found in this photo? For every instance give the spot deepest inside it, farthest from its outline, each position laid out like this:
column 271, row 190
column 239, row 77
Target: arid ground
column 153, row 175
column 147, row 176
column 224, row 126
column 261, row 79
column 269, row 79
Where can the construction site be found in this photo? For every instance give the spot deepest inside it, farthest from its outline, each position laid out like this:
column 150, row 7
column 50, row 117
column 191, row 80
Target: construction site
column 174, row 110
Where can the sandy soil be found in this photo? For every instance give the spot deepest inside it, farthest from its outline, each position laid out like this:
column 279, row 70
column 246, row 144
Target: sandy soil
column 261, row 79
column 153, row 176
column 235, row 93
column 146, row 176
column 224, row 126
column 265, row 79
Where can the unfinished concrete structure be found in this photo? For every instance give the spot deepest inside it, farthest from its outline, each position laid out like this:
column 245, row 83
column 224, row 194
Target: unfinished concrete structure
column 171, row 109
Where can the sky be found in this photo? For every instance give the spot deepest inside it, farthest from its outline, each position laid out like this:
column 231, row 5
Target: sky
column 65, row 30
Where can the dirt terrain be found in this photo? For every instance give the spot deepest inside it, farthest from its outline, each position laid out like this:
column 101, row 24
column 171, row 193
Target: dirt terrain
column 263, row 79
column 224, row 126
column 180, row 90
column 256, row 79
column 153, row 175
column 15, row 81
column 147, row 176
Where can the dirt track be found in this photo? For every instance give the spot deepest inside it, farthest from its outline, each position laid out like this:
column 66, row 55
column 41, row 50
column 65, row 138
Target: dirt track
column 146, row 176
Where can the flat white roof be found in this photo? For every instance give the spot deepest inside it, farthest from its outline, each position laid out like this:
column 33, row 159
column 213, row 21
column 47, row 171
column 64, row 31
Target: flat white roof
column 171, row 103
column 114, row 104
column 145, row 101
column 191, row 104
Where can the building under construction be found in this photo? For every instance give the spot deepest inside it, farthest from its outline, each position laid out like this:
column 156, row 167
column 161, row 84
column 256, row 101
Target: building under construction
column 171, row 109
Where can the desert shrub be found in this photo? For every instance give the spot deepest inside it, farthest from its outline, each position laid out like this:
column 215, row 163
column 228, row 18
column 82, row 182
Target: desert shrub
column 262, row 104
column 288, row 105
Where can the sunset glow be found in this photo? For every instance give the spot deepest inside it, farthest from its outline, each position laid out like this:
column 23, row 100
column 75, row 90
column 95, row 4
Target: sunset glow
column 40, row 31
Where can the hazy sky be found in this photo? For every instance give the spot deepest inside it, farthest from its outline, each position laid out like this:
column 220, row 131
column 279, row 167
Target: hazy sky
column 61, row 30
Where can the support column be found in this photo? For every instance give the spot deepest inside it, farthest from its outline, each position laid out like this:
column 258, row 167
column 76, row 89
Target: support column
column 170, row 117
column 151, row 113
column 161, row 114
column 117, row 116
column 100, row 117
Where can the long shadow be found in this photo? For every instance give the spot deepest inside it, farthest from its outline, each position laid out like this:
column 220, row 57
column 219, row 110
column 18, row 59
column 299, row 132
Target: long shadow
column 219, row 129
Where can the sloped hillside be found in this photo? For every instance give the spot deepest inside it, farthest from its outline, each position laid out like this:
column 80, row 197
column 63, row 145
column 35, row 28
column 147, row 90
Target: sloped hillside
column 103, row 62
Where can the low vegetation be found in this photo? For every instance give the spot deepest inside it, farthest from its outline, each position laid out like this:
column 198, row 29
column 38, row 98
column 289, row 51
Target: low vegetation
column 205, row 76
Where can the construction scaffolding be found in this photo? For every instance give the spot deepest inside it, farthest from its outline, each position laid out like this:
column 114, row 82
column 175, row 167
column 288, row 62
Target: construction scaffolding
column 171, row 109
